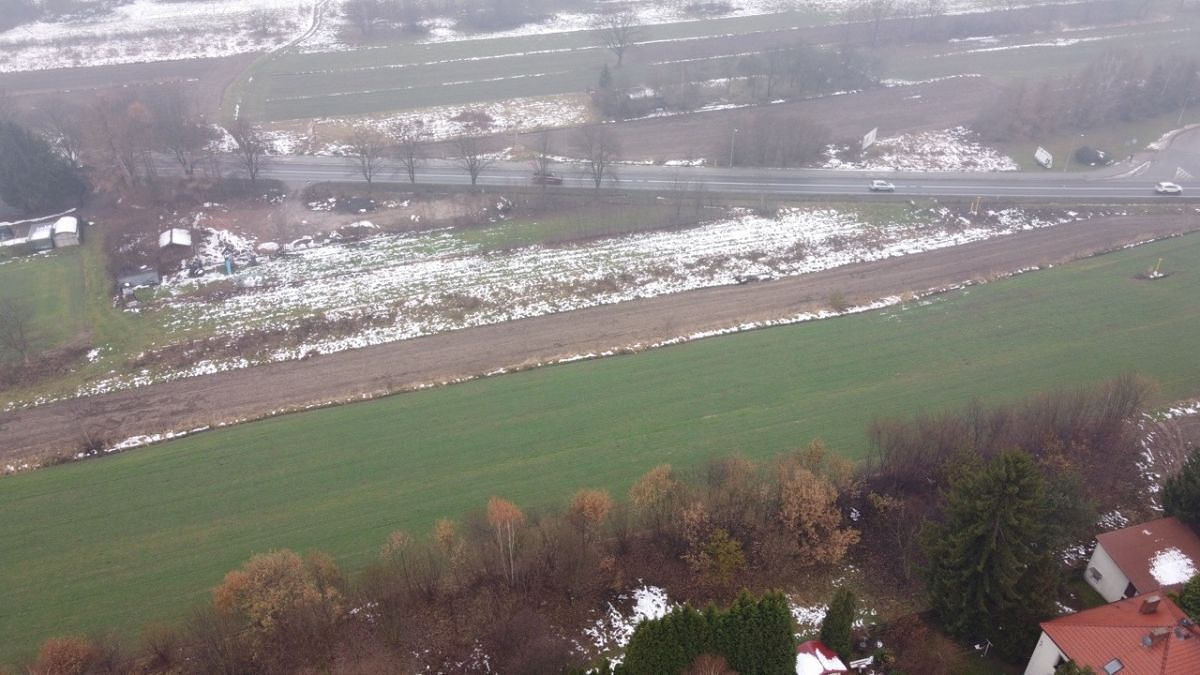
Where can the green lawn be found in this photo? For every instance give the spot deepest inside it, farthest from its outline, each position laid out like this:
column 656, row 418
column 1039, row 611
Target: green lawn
column 52, row 284
column 71, row 294
column 117, row 542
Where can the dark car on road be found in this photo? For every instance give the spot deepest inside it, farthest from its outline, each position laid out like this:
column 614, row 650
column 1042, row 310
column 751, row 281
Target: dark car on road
column 546, row 178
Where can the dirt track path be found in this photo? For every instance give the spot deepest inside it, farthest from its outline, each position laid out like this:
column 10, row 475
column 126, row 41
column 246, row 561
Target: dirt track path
column 256, row 392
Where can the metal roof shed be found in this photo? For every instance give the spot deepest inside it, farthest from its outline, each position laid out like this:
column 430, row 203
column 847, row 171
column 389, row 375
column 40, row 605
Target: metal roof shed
column 41, row 237
column 66, row 232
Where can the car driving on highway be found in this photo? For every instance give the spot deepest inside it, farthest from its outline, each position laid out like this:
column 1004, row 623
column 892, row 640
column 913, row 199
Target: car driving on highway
column 546, row 178
column 1165, row 188
column 878, row 185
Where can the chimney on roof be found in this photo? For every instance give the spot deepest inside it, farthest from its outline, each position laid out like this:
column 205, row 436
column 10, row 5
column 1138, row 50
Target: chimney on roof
column 1155, row 636
column 1150, row 604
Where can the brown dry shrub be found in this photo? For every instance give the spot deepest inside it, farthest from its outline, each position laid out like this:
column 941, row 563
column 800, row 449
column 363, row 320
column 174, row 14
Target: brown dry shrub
column 66, row 656
column 918, row 648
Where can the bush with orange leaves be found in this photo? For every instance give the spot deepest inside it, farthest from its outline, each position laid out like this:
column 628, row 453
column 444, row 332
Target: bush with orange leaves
column 588, row 510
column 66, row 656
column 506, row 517
column 286, row 604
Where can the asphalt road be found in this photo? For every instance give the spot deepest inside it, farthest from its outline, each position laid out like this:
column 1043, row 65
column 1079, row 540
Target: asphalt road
column 1049, row 185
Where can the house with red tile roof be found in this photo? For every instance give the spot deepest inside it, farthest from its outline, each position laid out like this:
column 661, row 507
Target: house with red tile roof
column 814, row 658
column 1146, row 635
column 1160, row 555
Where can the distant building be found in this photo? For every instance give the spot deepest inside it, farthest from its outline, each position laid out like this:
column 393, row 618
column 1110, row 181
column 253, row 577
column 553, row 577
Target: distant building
column 1159, row 555
column 6, row 232
column 814, row 658
column 1147, row 635
column 176, row 236
column 41, row 237
column 66, row 232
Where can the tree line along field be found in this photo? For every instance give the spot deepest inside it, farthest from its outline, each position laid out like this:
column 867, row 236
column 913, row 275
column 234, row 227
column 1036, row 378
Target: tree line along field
column 163, row 524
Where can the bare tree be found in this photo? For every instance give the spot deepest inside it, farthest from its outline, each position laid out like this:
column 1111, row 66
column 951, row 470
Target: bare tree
column 470, row 156
column 251, row 147
column 543, row 156
column 599, row 149
column 408, row 150
column 874, row 13
column 179, row 129
column 16, row 326
column 362, row 13
column 618, row 30
column 62, row 121
column 367, row 150
column 262, row 22
column 120, row 135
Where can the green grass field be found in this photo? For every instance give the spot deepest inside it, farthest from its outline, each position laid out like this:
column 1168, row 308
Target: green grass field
column 112, row 544
column 71, row 294
column 1003, row 61
column 53, row 285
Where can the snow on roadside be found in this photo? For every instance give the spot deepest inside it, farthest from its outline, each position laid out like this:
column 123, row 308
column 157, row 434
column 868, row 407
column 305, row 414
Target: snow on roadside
column 947, row 150
column 444, row 122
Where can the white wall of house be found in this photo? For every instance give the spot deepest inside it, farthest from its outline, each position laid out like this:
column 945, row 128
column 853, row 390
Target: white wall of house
column 1112, row 582
column 1046, row 657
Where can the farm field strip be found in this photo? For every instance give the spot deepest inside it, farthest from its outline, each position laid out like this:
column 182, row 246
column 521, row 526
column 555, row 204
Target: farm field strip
column 341, row 479
column 365, row 81
column 426, row 65
column 1041, row 55
column 398, row 287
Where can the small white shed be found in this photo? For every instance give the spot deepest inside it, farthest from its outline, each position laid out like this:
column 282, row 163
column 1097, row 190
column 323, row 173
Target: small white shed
column 176, row 236
column 66, row 232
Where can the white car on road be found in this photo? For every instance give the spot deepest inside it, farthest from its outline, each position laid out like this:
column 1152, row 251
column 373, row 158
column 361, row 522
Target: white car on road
column 1165, row 188
column 878, row 185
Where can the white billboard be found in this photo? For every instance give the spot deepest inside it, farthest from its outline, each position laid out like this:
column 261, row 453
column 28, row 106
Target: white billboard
column 1043, row 157
column 869, row 139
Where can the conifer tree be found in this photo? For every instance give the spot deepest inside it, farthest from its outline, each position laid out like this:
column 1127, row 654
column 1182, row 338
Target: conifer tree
column 993, row 532
column 32, row 176
column 1189, row 598
column 755, row 637
column 838, row 621
column 1181, row 494
column 777, row 633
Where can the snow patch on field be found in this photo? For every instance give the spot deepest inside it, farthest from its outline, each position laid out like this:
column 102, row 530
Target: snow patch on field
column 153, row 30
column 440, row 123
column 394, row 287
column 947, row 150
